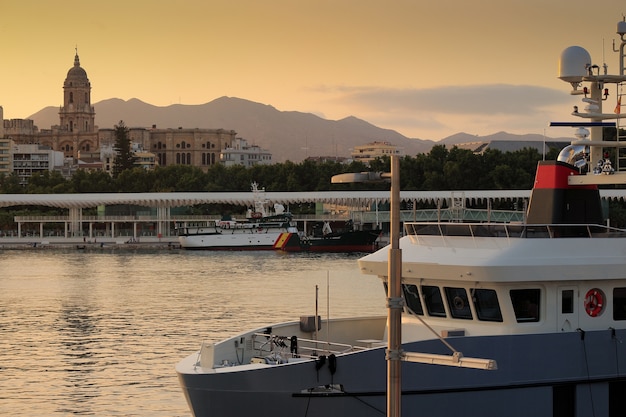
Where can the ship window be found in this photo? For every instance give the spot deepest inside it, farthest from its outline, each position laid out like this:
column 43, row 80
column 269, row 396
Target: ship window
column 526, row 304
column 486, row 304
column 567, row 301
column 412, row 298
column 434, row 301
column 458, row 303
column 619, row 304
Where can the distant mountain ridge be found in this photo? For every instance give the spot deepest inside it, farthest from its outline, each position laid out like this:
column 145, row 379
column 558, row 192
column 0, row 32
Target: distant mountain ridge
column 288, row 135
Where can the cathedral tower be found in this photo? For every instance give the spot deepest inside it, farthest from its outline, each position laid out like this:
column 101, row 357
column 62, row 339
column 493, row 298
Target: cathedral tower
column 77, row 115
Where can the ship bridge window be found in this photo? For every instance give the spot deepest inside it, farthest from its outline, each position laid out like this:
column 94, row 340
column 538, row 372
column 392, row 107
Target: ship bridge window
column 458, row 303
column 434, row 301
column 412, row 298
column 619, row 303
column 526, row 304
column 486, row 304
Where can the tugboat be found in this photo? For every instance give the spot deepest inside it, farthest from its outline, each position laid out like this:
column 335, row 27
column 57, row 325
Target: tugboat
column 325, row 239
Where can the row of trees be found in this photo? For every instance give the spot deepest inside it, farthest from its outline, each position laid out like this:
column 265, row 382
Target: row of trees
column 441, row 169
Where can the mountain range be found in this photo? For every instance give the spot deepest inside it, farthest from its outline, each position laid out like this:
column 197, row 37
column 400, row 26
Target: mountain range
column 288, row 135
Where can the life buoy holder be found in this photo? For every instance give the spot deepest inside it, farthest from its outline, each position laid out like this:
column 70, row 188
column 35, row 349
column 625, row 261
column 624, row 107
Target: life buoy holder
column 594, row 302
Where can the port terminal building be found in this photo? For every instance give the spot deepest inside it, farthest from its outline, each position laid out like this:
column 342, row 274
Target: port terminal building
column 156, row 215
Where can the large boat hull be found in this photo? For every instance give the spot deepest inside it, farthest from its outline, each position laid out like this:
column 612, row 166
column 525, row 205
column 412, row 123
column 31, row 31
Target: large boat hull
column 230, row 241
column 553, row 374
column 353, row 241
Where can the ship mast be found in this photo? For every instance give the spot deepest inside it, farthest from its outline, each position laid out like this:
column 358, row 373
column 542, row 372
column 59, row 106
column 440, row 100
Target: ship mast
column 576, row 67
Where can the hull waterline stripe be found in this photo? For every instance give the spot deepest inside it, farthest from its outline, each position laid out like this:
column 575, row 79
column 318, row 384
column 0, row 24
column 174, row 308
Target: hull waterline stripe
column 461, row 390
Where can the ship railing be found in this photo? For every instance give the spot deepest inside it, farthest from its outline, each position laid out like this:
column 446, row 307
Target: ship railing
column 512, row 230
column 265, row 344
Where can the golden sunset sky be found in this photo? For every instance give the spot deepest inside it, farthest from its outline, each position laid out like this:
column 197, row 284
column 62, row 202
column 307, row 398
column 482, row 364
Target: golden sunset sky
column 426, row 68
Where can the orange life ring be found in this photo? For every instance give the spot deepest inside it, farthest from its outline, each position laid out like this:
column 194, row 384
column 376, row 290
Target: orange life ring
column 594, row 302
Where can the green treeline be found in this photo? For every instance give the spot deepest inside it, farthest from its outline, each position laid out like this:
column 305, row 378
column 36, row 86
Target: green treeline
column 441, row 169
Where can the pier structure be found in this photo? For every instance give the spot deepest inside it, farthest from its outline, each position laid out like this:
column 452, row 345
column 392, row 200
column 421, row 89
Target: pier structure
column 365, row 208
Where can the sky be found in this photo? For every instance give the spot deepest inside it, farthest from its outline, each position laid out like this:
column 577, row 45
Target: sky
column 427, row 69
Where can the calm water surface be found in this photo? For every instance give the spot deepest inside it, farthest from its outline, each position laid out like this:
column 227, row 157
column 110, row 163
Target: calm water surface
column 100, row 333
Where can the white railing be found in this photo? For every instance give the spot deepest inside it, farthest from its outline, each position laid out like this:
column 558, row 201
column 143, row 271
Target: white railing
column 266, row 344
column 508, row 230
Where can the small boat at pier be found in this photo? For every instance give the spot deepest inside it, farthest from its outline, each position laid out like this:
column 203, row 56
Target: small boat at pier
column 259, row 231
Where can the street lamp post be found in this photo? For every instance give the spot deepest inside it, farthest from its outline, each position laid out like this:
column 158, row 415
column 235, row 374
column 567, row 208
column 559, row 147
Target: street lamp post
column 394, row 283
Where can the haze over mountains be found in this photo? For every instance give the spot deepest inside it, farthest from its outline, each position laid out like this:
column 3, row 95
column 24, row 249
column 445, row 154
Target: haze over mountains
column 288, row 135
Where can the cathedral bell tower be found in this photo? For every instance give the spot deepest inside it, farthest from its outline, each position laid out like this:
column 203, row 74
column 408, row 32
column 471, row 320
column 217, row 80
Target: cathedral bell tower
column 77, row 115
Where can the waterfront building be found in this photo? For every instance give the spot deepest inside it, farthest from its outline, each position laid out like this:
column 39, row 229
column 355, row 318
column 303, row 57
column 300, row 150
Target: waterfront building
column 241, row 153
column 369, row 152
column 121, row 216
column 181, row 146
column 5, row 149
column 32, row 158
column 77, row 135
column 5, row 155
column 143, row 158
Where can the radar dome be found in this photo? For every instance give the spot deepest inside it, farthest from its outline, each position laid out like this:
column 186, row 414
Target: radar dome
column 573, row 64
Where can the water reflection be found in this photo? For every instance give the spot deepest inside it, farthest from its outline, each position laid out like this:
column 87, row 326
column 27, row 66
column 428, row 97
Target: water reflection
column 76, row 336
column 99, row 334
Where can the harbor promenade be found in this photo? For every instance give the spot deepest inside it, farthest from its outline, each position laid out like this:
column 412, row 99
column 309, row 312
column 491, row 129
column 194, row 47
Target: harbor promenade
column 155, row 226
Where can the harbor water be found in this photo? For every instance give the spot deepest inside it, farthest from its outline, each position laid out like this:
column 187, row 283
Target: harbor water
column 99, row 333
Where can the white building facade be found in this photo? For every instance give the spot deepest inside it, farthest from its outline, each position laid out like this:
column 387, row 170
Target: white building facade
column 369, row 152
column 241, row 153
column 32, row 158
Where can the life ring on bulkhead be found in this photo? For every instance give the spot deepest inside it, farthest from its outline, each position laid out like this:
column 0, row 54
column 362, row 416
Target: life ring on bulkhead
column 594, row 302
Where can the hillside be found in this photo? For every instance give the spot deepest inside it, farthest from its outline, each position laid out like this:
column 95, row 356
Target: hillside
column 289, row 135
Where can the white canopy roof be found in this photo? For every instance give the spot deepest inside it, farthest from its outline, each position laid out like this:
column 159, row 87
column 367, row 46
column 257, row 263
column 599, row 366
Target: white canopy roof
column 348, row 198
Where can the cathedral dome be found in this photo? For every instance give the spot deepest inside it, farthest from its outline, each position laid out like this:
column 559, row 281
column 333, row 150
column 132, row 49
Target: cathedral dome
column 76, row 74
